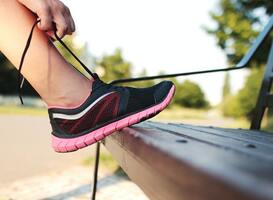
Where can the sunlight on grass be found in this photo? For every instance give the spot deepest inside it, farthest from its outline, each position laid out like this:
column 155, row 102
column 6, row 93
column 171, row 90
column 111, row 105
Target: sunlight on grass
column 212, row 117
column 239, row 123
column 176, row 113
column 269, row 128
column 106, row 161
column 269, row 122
column 20, row 110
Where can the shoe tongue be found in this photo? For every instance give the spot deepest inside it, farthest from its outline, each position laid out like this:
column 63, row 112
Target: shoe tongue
column 96, row 84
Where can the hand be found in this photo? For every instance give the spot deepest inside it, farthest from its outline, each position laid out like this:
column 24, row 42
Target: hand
column 53, row 13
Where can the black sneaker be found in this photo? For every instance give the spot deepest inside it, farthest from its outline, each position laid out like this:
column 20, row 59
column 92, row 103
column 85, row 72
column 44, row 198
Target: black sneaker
column 107, row 109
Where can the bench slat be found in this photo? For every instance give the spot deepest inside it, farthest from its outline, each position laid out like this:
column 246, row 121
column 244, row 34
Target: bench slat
column 241, row 134
column 169, row 164
column 223, row 140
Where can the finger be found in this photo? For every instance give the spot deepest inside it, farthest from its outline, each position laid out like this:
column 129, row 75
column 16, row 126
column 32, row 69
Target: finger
column 61, row 25
column 46, row 20
column 71, row 27
column 72, row 23
column 69, row 21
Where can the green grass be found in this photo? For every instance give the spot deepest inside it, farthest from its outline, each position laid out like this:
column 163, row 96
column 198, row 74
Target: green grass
column 269, row 123
column 21, row 110
column 176, row 113
column 200, row 116
column 269, row 128
column 106, row 161
column 172, row 114
column 239, row 123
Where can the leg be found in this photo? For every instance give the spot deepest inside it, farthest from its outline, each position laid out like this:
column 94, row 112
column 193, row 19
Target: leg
column 53, row 78
column 108, row 108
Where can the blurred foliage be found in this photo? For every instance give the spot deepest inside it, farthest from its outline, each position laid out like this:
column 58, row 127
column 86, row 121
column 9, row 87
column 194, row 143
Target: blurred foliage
column 269, row 125
column 189, row 95
column 8, row 79
column 112, row 67
column 248, row 95
column 226, row 87
column 22, row 110
column 8, row 76
column 238, row 23
column 243, row 103
column 106, row 161
column 231, row 107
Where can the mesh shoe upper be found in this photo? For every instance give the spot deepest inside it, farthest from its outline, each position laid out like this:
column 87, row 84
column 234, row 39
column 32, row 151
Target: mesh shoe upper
column 105, row 104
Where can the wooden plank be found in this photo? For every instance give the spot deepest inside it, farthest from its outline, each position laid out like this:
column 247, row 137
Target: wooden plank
column 247, row 136
column 261, row 134
column 180, row 166
column 221, row 140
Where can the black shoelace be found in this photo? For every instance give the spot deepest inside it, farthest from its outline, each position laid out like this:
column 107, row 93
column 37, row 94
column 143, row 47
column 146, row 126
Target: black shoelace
column 242, row 64
column 21, row 78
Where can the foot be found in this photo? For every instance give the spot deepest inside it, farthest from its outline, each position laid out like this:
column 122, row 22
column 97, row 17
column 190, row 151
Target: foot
column 107, row 109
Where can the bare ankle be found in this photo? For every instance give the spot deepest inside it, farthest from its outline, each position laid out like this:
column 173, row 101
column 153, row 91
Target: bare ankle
column 71, row 96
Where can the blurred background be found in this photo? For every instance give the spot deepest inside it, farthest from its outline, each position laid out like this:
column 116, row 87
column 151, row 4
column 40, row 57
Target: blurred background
column 120, row 39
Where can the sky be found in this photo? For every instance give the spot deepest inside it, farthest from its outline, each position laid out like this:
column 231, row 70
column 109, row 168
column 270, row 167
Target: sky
column 158, row 35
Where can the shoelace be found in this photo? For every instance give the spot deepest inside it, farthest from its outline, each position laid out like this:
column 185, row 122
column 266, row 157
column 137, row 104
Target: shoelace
column 242, row 64
column 21, row 79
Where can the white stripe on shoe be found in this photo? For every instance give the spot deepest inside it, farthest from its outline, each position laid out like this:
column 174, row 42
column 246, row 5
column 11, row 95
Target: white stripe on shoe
column 80, row 114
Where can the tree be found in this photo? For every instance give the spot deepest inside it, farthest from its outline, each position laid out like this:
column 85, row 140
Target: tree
column 226, row 87
column 247, row 96
column 190, row 95
column 7, row 76
column 114, row 67
column 244, row 101
column 238, row 22
column 8, row 79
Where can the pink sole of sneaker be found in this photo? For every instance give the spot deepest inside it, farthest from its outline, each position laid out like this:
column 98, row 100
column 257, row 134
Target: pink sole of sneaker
column 63, row 145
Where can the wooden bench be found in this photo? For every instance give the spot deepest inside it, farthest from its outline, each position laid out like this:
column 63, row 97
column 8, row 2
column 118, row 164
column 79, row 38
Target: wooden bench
column 178, row 161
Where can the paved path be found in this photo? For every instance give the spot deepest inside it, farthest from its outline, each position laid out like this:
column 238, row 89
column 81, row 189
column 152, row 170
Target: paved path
column 31, row 170
column 72, row 184
column 25, row 149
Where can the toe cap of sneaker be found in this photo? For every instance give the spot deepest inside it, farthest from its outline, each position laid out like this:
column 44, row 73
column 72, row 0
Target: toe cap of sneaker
column 162, row 90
